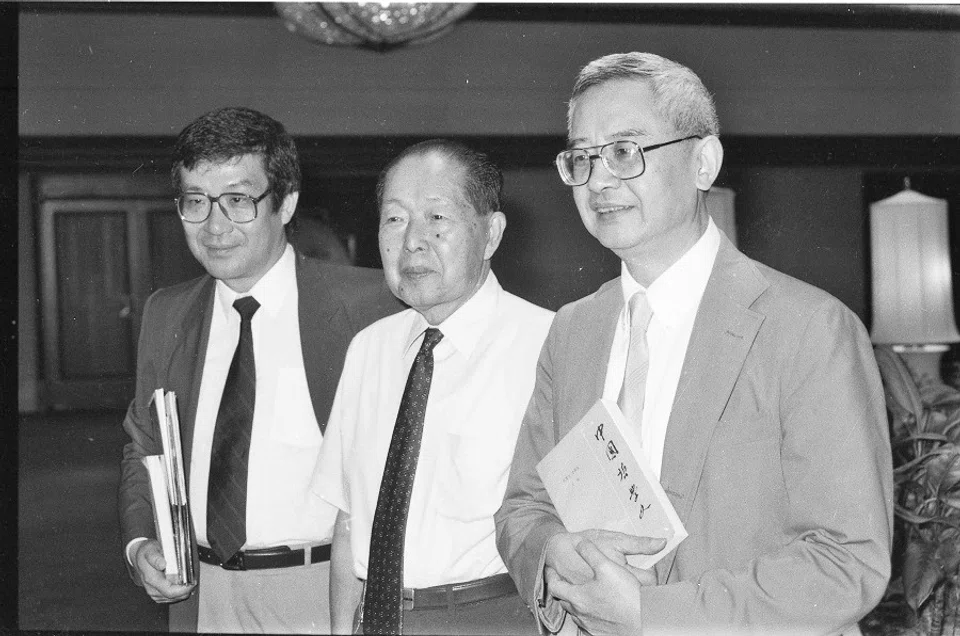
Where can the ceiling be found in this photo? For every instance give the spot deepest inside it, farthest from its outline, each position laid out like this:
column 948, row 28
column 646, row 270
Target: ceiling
column 939, row 17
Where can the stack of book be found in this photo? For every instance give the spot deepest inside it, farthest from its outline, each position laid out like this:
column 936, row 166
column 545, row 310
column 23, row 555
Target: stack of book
column 171, row 510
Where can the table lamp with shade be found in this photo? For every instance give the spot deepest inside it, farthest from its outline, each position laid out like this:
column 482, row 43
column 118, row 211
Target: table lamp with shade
column 912, row 279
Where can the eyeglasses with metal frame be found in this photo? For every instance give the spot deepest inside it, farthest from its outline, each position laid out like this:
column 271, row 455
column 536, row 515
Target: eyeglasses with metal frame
column 623, row 159
column 195, row 207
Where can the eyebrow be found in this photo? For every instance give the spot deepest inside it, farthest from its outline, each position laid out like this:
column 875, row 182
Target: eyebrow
column 400, row 203
column 620, row 134
column 391, row 201
column 241, row 182
column 445, row 200
column 229, row 186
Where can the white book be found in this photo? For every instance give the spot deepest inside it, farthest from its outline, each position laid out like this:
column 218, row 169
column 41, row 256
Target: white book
column 162, row 517
column 181, row 508
column 598, row 478
column 162, row 421
column 176, row 510
column 176, row 449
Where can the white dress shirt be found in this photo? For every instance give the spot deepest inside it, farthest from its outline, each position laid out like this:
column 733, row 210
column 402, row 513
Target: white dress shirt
column 675, row 297
column 285, row 440
column 483, row 376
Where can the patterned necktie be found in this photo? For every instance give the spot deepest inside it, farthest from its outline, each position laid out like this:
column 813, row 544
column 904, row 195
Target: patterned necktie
column 638, row 359
column 227, row 485
column 383, row 603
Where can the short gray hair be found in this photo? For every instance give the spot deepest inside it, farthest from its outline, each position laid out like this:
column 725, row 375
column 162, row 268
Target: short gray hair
column 680, row 97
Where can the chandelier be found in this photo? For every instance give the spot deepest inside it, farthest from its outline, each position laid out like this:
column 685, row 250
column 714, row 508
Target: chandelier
column 380, row 26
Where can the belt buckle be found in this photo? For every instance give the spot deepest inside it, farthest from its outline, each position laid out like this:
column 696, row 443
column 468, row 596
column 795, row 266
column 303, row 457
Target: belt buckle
column 409, row 598
column 235, row 562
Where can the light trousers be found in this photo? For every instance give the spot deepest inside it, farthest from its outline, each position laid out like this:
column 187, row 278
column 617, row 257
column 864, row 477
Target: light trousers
column 292, row 600
column 506, row 616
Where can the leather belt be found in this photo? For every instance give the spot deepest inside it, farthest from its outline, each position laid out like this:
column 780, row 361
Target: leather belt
column 267, row 558
column 454, row 594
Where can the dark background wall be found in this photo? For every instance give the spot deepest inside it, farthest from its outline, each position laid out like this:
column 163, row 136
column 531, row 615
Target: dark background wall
column 137, row 73
column 808, row 221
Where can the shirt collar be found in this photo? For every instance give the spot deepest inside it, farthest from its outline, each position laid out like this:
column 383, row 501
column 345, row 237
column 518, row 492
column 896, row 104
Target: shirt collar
column 463, row 328
column 678, row 290
column 270, row 291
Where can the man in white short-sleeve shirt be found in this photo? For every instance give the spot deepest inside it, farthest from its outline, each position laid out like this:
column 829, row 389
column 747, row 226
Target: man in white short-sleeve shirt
column 440, row 225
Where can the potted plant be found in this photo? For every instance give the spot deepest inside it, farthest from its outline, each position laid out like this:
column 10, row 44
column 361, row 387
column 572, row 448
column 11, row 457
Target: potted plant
column 925, row 439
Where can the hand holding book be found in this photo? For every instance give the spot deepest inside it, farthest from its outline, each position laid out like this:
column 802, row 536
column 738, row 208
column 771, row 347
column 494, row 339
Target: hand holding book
column 603, row 598
column 598, row 479
column 619, row 523
column 150, row 564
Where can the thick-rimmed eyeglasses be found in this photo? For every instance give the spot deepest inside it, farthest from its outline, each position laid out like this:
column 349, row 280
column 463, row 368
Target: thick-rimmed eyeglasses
column 195, row 207
column 623, row 159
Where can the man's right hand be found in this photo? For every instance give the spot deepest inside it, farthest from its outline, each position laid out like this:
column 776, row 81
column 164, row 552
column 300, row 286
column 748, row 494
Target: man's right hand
column 563, row 557
column 587, row 575
column 149, row 562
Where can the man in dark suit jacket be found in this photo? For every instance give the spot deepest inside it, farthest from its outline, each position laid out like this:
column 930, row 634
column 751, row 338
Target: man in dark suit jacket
column 762, row 409
column 238, row 177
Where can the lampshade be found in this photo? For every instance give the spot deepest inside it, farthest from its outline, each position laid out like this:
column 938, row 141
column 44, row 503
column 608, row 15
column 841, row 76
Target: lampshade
column 912, row 277
column 720, row 205
column 376, row 25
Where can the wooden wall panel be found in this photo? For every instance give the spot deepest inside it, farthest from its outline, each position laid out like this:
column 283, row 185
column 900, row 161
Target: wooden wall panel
column 93, row 283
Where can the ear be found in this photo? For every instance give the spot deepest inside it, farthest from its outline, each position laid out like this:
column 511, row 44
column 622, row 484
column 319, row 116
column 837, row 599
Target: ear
column 709, row 160
column 496, row 224
column 288, row 207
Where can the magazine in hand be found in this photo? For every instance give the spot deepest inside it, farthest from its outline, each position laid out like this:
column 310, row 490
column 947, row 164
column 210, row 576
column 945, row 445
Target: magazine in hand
column 597, row 478
column 168, row 486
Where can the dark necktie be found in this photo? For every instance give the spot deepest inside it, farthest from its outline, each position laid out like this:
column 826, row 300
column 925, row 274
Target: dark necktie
column 638, row 359
column 227, row 485
column 382, row 605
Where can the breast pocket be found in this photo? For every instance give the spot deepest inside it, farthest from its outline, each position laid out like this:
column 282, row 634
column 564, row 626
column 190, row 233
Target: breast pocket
column 294, row 421
column 476, row 471
column 744, row 458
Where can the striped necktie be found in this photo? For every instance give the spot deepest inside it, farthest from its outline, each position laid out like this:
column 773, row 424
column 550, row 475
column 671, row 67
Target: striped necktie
column 227, row 484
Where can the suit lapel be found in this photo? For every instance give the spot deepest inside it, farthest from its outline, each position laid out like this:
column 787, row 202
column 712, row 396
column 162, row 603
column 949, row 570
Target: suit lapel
column 185, row 367
column 723, row 333
column 317, row 313
column 591, row 344
column 184, row 371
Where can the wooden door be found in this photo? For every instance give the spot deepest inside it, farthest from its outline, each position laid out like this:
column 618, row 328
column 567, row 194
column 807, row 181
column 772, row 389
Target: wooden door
column 89, row 355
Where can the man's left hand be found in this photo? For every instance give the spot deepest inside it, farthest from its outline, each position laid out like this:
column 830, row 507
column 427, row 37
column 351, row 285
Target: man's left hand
column 607, row 603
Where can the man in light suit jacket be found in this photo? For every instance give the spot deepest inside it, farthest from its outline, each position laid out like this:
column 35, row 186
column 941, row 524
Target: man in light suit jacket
column 238, row 177
column 762, row 409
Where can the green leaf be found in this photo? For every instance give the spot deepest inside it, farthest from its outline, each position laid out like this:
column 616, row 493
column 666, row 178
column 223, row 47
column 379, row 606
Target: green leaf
column 937, row 394
column 929, row 437
column 951, row 500
column 948, row 400
column 920, row 460
column 909, row 515
column 943, row 472
column 898, row 384
column 936, row 421
column 952, row 429
column 921, row 572
column 920, row 518
column 948, row 553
